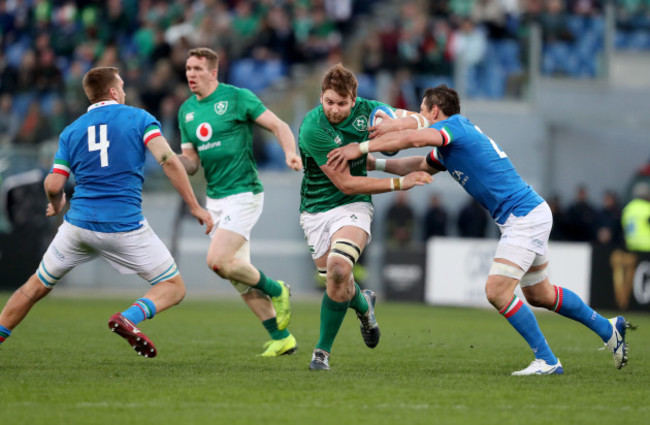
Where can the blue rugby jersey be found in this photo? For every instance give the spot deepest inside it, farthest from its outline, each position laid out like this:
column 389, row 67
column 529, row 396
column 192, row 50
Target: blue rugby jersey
column 483, row 169
column 105, row 150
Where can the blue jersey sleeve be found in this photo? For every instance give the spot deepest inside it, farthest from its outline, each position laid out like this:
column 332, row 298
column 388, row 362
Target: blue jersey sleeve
column 62, row 158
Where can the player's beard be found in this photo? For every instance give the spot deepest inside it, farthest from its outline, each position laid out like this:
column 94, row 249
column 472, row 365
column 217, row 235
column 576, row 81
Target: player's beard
column 334, row 118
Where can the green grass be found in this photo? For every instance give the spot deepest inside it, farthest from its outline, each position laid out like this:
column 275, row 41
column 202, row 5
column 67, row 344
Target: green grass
column 433, row 365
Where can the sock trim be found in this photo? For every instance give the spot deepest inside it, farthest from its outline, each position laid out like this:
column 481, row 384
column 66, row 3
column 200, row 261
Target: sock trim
column 512, row 307
column 559, row 296
column 147, row 306
column 4, row 333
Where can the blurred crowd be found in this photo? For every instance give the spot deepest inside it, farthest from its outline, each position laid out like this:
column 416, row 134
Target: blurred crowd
column 48, row 45
column 491, row 39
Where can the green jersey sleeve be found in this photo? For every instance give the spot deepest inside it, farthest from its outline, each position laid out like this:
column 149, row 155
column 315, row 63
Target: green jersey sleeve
column 251, row 106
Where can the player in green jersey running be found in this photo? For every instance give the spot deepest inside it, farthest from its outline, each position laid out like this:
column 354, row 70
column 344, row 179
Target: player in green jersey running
column 336, row 207
column 216, row 126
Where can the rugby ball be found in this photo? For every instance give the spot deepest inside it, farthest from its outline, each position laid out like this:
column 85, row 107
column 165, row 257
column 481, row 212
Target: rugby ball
column 375, row 119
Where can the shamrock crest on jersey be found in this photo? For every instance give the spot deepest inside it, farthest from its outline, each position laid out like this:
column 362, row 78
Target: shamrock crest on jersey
column 221, row 107
column 361, row 123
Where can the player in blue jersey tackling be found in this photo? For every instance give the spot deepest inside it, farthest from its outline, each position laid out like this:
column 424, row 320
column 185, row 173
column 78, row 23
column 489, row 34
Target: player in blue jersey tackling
column 105, row 150
column 484, row 170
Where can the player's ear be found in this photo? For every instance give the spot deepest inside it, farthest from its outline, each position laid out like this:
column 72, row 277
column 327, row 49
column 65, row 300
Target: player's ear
column 112, row 93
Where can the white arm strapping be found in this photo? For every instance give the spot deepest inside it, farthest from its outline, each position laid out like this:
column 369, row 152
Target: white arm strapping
column 380, row 165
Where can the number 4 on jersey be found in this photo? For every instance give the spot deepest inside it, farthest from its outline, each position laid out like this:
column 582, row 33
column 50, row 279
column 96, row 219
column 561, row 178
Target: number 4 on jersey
column 102, row 145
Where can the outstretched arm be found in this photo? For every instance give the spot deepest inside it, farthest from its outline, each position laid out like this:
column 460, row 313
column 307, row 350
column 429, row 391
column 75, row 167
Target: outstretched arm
column 401, row 166
column 389, row 142
column 283, row 133
column 175, row 171
column 356, row 185
column 406, row 120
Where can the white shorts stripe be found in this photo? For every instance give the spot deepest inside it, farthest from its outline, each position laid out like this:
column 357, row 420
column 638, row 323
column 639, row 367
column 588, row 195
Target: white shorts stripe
column 167, row 274
column 45, row 277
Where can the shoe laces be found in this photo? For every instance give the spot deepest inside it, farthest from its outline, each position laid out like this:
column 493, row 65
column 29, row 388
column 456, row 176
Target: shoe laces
column 320, row 356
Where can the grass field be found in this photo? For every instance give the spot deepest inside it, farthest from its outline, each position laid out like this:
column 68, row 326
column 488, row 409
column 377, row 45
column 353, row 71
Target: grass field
column 433, row 365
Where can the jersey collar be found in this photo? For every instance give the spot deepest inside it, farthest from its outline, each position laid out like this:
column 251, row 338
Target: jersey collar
column 102, row 103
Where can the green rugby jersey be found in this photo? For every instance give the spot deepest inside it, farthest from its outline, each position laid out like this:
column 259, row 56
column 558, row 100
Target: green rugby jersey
column 220, row 127
column 316, row 139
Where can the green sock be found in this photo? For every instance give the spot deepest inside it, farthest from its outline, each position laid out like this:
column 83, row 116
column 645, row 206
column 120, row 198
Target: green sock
column 269, row 286
column 332, row 314
column 359, row 303
column 271, row 326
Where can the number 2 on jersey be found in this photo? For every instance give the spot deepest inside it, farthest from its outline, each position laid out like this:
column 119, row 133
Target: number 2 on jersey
column 501, row 153
column 102, row 145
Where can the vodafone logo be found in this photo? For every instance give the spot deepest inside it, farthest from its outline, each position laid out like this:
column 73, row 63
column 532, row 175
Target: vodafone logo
column 204, row 132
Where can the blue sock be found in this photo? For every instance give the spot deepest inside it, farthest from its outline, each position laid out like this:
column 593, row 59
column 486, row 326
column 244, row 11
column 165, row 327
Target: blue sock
column 568, row 304
column 521, row 317
column 4, row 334
column 142, row 309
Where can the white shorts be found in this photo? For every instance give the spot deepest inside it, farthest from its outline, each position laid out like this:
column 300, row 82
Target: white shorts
column 320, row 227
column 138, row 251
column 524, row 240
column 237, row 213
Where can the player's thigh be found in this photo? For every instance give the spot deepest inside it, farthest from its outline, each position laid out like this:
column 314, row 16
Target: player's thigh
column 524, row 240
column 237, row 213
column 226, row 244
column 139, row 251
column 67, row 250
column 320, row 228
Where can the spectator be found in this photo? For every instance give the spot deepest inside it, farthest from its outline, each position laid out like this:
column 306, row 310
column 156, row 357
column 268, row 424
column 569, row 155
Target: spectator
column 609, row 223
column 435, row 218
column 555, row 24
column 582, row 218
column 636, row 219
column 472, row 220
column 400, row 222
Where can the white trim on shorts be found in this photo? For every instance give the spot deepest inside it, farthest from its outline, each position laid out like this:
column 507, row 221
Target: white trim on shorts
column 320, row 227
column 524, row 240
column 240, row 212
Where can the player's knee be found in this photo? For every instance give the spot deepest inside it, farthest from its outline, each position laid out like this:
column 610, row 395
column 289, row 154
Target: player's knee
column 491, row 293
column 537, row 290
column 344, row 253
column 221, row 267
column 498, row 293
column 338, row 271
column 536, row 300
